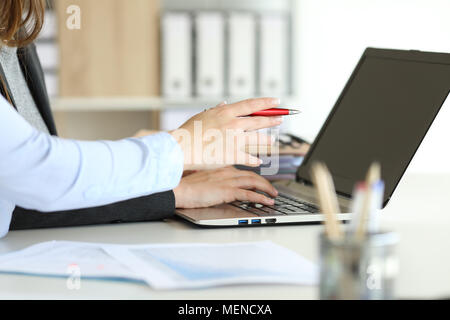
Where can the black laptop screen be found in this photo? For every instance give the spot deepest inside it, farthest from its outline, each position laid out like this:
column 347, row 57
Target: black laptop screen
column 383, row 114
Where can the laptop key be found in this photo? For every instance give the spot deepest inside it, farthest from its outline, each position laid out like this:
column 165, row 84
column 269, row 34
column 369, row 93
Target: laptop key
column 304, row 207
column 285, row 211
column 282, row 205
column 271, row 212
column 266, row 213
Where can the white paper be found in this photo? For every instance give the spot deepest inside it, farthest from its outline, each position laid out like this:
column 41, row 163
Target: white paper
column 167, row 266
column 58, row 258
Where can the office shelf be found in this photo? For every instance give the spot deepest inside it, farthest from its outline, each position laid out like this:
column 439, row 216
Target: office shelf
column 106, row 104
column 88, row 104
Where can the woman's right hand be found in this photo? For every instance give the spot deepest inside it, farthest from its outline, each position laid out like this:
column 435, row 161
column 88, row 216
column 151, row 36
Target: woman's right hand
column 217, row 137
column 212, row 187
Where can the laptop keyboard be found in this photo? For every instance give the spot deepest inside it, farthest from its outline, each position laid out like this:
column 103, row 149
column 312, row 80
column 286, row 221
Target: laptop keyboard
column 284, row 205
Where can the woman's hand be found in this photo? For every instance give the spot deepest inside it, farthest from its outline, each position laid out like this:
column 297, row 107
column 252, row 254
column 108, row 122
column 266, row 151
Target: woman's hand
column 213, row 187
column 217, row 137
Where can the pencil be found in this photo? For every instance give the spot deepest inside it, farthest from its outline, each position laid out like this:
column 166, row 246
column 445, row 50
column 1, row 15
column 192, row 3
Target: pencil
column 327, row 200
column 358, row 198
column 373, row 176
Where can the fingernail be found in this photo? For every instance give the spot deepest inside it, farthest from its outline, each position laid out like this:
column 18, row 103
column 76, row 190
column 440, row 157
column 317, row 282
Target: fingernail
column 271, row 201
column 276, row 101
column 278, row 119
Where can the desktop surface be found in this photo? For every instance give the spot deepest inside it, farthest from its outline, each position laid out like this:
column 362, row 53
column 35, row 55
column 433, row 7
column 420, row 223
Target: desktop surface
column 423, row 250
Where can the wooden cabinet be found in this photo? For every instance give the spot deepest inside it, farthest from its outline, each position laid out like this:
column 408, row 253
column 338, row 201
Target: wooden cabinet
column 114, row 53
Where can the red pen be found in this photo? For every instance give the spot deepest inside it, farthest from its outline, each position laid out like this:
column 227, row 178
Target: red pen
column 274, row 112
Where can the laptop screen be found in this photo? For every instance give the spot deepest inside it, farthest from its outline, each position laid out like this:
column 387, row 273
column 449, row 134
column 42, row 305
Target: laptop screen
column 382, row 115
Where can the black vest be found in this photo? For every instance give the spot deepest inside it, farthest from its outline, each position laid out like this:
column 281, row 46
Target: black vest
column 34, row 76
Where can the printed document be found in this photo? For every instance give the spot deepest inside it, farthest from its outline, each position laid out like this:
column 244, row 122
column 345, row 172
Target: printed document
column 166, row 266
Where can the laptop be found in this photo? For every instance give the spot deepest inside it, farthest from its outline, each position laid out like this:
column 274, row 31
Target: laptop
column 382, row 114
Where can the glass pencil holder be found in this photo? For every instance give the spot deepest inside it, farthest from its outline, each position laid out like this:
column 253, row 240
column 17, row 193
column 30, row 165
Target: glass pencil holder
column 358, row 270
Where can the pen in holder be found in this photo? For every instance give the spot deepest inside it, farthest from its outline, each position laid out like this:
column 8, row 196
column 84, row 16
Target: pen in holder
column 358, row 269
column 359, row 263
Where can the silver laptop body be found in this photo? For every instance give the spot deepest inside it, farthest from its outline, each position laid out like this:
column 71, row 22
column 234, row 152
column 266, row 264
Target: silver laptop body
column 382, row 114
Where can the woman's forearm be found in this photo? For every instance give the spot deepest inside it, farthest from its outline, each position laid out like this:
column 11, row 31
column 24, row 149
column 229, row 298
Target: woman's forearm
column 41, row 172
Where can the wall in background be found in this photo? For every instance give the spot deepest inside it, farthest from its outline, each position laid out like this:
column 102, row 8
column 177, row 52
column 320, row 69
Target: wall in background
column 332, row 35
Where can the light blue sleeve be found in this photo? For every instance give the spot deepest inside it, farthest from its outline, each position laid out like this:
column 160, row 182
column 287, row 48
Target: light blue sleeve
column 46, row 173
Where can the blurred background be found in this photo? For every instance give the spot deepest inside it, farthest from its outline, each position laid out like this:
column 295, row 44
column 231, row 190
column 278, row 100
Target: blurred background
column 151, row 64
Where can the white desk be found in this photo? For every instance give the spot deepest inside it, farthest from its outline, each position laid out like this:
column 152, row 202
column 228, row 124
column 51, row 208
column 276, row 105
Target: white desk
column 418, row 211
